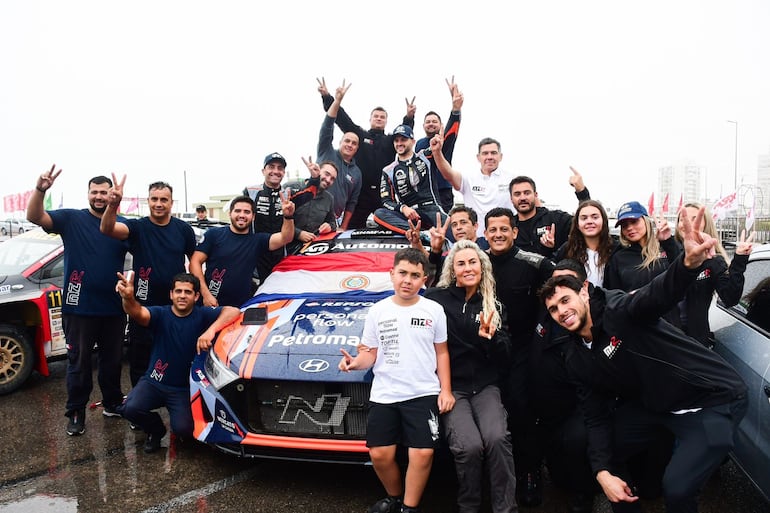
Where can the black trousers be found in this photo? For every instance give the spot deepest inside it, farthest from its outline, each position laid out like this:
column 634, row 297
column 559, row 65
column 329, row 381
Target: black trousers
column 702, row 439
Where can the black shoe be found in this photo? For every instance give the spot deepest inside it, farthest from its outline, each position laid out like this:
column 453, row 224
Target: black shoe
column 110, row 411
column 152, row 444
column 407, row 509
column 529, row 490
column 77, row 424
column 581, row 503
column 386, row 505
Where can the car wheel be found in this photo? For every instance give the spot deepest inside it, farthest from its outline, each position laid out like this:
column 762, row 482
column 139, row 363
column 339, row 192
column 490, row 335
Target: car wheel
column 3, row 231
column 16, row 359
column 21, row 230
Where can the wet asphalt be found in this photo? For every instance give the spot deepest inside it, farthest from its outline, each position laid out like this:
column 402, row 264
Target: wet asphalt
column 42, row 469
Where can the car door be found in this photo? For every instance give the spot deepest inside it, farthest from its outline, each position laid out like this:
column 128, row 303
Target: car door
column 746, row 346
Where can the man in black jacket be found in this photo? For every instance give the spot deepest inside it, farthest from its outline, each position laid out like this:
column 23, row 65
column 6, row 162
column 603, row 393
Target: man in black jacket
column 375, row 151
column 638, row 374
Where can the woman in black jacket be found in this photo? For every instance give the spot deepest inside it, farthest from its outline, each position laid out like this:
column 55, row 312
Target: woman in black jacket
column 477, row 338
column 719, row 275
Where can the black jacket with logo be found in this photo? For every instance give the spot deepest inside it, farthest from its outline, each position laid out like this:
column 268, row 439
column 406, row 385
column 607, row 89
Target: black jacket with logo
column 637, row 356
column 474, row 360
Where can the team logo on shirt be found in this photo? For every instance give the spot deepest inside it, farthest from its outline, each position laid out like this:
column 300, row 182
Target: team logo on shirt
column 216, row 281
column 143, row 283
column 612, row 347
column 159, row 370
column 540, row 330
column 422, row 323
column 705, row 274
column 74, row 287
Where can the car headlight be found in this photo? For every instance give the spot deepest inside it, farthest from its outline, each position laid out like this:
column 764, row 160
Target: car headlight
column 218, row 373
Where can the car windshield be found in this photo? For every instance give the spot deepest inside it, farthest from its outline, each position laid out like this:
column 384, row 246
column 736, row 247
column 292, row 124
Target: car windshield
column 20, row 252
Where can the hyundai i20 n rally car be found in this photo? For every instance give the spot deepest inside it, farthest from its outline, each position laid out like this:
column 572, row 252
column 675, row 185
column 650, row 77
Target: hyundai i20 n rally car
column 270, row 386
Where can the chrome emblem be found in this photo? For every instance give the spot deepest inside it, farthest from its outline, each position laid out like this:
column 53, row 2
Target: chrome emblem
column 313, row 365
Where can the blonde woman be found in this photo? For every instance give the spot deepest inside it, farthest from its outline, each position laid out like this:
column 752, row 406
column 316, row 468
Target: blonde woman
column 477, row 338
column 647, row 249
column 719, row 275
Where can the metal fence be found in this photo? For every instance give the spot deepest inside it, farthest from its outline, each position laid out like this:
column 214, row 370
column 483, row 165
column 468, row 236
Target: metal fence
column 730, row 227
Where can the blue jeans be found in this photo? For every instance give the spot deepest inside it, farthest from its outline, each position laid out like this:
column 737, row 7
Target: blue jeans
column 147, row 396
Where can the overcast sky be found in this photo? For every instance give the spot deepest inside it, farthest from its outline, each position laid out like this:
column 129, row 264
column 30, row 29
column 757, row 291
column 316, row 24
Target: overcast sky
column 154, row 89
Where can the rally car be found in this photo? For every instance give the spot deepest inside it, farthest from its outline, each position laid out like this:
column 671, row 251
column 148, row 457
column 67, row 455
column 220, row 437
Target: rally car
column 270, row 386
column 31, row 331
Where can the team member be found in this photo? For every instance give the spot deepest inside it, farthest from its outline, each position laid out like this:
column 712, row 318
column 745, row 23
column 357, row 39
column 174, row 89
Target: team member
column 268, row 213
column 626, row 358
column 540, row 229
column 405, row 336
column 91, row 311
column 160, row 245
column 407, row 189
column 314, row 204
column 230, row 254
column 178, row 330
column 476, row 428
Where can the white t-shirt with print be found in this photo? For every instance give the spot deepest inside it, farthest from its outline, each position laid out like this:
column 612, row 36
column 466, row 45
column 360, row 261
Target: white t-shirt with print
column 406, row 358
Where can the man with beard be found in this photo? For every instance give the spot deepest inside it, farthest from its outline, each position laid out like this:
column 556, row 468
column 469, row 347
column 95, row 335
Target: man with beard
column 638, row 375
column 160, row 245
column 374, row 153
column 230, row 254
column 542, row 230
column 314, row 204
column 407, row 189
column 91, row 310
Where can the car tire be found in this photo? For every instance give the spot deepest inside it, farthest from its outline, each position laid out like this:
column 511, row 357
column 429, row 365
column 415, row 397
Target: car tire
column 16, row 359
column 21, row 230
column 3, row 231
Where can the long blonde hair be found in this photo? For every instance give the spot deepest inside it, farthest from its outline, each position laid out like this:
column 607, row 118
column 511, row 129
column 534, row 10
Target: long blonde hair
column 650, row 245
column 709, row 227
column 487, row 285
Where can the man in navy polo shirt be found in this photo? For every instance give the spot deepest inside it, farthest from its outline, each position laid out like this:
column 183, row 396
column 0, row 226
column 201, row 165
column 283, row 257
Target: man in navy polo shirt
column 159, row 244
column 230, row 254
column 178, row 330
column 91, row 310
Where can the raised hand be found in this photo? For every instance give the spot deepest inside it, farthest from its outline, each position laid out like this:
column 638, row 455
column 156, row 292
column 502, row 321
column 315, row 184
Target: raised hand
column 548, row 239
column 411, row 108
column 287, row 206
column 115, row 195
column 322, row 86
column 413, row 233
column 339, row 94
column 313, row 167
column 454, row 92
column 438, row 234
column 347, row 362
column 486, row 327
column 125, row 285
column 663, row 228
column 46, row 180
column 576, row 180
column 744, row 245
column 698, row 246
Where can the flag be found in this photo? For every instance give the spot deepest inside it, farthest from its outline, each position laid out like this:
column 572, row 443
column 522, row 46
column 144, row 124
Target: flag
column 680, row 203
column 133, row 206
column 721, row 207
column 47, row 202
column 651, row 204
column 665, row 204
column 749, row 219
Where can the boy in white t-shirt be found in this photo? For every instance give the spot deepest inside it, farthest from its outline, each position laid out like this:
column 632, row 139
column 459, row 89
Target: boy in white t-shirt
column 405, row 343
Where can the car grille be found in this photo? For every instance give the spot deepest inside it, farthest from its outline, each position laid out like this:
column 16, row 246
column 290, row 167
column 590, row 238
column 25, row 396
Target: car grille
column 308, row 409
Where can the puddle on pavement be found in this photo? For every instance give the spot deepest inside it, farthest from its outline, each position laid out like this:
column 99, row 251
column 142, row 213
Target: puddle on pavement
column 41, row 504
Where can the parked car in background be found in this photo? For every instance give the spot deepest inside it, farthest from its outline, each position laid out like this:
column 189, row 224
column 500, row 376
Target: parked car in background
column 743, row 339
column 31, row 331
column 15, row 226
column 270, row 386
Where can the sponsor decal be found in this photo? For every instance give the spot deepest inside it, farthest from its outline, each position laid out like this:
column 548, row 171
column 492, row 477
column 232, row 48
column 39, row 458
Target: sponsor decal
column 612, row 347
column 337, row 246
column 203, row 380
column 705, row 274
column 5, row 289
column 226, row 424
column 313, row 365
column 540, row 330
column 74, row 286
column 355, row 282
column 304, row 339
column 327, row 410
column 143, row 283
column 343, row 319
column 422, row 323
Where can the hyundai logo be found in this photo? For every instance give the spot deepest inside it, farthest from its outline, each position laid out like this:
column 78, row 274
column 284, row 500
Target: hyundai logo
column 313, row 365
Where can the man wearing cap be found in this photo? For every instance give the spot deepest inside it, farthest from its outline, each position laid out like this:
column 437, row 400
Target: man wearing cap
column 407, row 189
column 374, row 153
column 201, row 216
column 268, row 217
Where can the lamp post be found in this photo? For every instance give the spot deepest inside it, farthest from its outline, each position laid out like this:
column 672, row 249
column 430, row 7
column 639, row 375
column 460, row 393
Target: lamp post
column 735, row 164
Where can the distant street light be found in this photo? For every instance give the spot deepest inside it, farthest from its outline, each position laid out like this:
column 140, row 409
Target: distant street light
column 735, row 165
